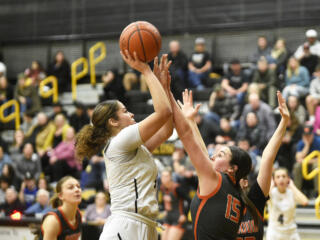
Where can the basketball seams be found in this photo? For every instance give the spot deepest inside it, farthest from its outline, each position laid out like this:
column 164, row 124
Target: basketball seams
column 141, row 41
column 152, row 34
column 147, row 47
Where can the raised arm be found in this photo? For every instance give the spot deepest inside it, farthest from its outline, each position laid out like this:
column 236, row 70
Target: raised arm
column 161, row 71
column 149, row 126
column 208, row 177
column 298, row 195
column 189, row 113
column 271, row 150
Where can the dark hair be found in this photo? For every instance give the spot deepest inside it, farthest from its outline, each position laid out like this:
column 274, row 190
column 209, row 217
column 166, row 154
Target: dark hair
column 280, row 169
column 55, row 200
column 92, row 137
column 242, row 159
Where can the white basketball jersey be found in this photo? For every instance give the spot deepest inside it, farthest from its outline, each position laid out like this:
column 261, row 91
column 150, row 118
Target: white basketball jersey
column 282, row 210
column 131, row 174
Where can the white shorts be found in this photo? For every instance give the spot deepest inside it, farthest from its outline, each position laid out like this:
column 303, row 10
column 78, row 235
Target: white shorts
column 273, row 234
column 120, row 227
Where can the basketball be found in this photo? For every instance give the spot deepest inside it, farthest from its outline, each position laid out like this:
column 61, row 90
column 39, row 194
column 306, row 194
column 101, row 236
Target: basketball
column 143, row 38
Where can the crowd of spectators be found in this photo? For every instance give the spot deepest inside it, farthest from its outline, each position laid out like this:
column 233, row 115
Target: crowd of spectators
column 241, row 111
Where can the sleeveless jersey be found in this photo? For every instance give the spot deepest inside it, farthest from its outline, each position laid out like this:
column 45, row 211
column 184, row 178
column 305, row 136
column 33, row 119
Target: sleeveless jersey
column 132, row 183
column 247, row 229
column 217, row 215
column 67, row 231
column 282, row 211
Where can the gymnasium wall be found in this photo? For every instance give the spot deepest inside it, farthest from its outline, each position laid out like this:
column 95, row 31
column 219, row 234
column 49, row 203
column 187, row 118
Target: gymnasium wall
column 33, row 20
column 36, row 29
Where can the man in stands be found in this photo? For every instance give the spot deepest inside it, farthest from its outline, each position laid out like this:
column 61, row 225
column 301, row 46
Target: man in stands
column 314, row 45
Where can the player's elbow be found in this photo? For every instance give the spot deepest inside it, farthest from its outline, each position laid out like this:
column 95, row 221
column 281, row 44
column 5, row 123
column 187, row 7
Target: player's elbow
column 166, row 113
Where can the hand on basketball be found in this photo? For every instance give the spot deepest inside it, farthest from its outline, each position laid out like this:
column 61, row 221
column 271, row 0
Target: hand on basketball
column 187, row 106
column 134, row 61
column 283, row 107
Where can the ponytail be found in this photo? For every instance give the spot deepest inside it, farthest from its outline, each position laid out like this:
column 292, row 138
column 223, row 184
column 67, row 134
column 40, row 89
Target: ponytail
column 90, row 140
column 92, row 137
column 250, row 206
column 55, row 201
column 242, row 159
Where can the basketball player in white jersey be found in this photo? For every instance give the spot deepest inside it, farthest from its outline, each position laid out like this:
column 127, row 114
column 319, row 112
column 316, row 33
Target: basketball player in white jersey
column 282, row 207
column 131, row 170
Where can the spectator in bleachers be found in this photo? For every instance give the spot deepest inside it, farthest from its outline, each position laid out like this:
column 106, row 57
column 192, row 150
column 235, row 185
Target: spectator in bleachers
column 287, row 150
column 208, row 129
column 263, row 50
column 57, row 108
column 222, row 105
column 3, row 69
column 112, row 86
column 172, row 198
column 297, row 79
column 62, row 158
column 227, row 131
column 313, row 100
column 279, row 55
column 61, row 127
column 4, row 158
column 180, row 161
column 263, row 111
column 132, row 80
column 90, row 110
column 8, row 172
column 98, row 212
column 244, row 144
column 12, row 203
column 43, row 183
column 236, row 81
column 178, row 68
column 92, row 175
column 41, row 206
column 27, row 95
column 27, row 162
column 199, row 65
column 28, row 122
column 314, row 44
column 305, row 146
column 4, row 185
column 264, row 82
column 41, row 134
column 309, row 60
column 36, row 73
column 28, row 190
column 297, row 109
column 16, row 148
column 60, row 68
column 79, row 118
column 6, row 91
column 254, row 132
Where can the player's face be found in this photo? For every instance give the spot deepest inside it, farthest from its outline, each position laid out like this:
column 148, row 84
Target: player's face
column 71, row 191
column 221, row 159
column 281, row 179
column 125, row 118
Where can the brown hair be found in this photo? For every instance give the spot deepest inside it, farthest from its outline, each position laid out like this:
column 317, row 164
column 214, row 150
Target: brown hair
column 279, row 169
column 92, row 137
column 55, row 200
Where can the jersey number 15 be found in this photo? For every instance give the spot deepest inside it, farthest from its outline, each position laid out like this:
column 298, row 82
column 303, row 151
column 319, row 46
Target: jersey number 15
column 233, row 209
